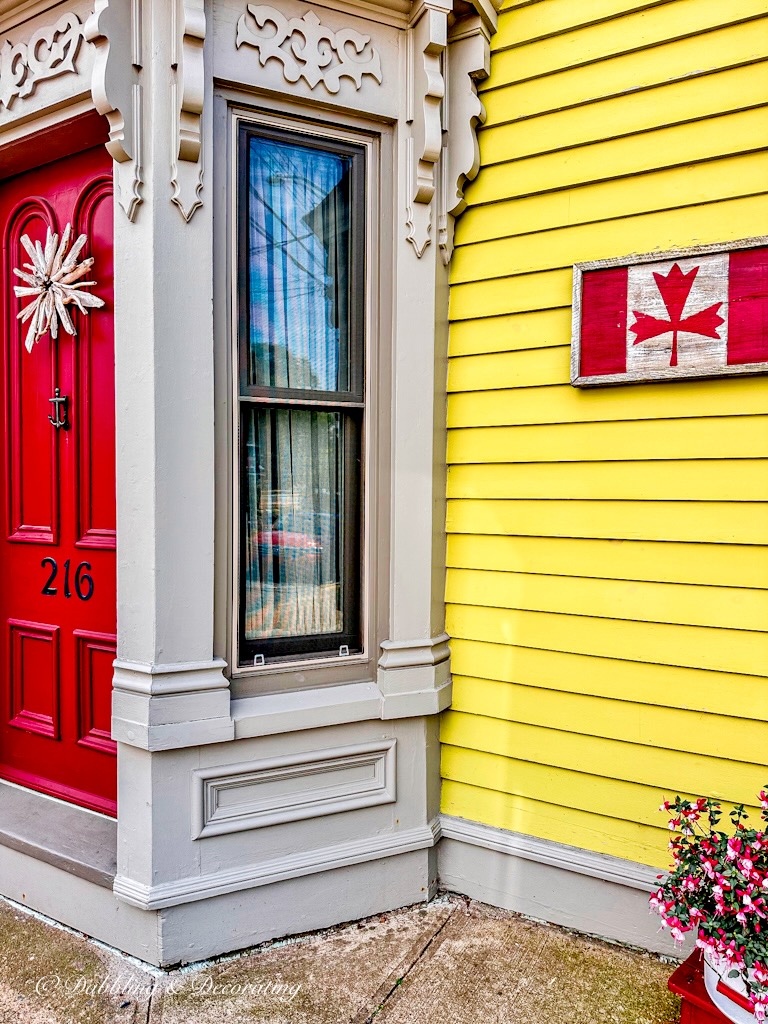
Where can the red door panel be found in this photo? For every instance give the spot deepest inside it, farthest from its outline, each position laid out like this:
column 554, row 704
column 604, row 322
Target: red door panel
column 57, row 493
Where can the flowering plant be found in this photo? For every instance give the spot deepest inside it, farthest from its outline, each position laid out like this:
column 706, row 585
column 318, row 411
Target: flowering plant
column 717, row 887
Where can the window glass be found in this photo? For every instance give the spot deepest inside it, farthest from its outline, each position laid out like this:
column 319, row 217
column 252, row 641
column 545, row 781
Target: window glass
column 301, row 266
column 294, row 545
column 299, row 250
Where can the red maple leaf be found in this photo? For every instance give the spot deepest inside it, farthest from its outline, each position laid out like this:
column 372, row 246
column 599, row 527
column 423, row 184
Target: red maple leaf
column 674, row 289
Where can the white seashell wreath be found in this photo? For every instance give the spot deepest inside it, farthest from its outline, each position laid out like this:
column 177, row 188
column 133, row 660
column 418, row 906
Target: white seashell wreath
column 54, row 279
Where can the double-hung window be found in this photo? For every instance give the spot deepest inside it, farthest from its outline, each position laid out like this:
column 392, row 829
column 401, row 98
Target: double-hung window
column 301, row 394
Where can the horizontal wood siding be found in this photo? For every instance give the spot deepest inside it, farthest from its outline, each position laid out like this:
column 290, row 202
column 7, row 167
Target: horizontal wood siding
column 608, row 549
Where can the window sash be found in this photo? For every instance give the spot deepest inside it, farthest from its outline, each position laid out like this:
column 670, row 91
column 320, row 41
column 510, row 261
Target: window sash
column 349, row 405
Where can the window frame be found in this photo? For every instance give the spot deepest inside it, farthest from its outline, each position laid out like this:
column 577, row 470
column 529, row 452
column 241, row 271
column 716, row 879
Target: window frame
column 349, row 404
column 377, row 141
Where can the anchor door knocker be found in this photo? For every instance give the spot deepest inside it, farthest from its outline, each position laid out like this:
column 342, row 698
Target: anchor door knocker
column 60, row 416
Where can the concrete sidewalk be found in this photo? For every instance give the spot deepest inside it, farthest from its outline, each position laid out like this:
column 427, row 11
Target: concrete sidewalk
column 452, row 960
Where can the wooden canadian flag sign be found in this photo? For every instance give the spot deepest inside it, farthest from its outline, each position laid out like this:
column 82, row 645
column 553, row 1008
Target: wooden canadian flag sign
column 668, row 316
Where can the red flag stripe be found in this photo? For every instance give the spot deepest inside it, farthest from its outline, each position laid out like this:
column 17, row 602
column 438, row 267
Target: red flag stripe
column 748, row 307
column 604, row 322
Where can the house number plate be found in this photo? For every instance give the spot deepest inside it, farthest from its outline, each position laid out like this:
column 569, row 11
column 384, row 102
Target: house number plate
column 83, row 581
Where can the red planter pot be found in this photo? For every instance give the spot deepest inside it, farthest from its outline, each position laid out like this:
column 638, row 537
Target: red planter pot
column 688, row 983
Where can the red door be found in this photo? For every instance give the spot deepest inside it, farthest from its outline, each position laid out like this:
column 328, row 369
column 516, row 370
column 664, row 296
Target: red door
column 57, row 501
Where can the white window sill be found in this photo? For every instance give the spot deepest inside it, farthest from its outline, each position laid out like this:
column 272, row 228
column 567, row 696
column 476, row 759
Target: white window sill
column 273, row 713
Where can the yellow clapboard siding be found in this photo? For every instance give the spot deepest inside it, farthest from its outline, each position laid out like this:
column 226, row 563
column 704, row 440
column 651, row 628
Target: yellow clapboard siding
column 722, row 650
column 680, row 187
column 641, row 30
column 546, row 821
column 535, row 21
column 705, row 522
column 677, row 146
column 679, row 480
column 730, row 219
column 717, row 565
column 519, row 369
column 728, row 47
column 686, row 731
column 515, row 331
column 668, row 771
column 607, row 549
column 609, row 798
column 512, row 295
column 696, row 605
column 728, row 396
column 722, row 437
column 719, row 93
column 718, row 693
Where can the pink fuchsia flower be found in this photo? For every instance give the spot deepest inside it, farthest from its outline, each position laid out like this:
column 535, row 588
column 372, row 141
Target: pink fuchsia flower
column 734, row 848
column 708, row 867
column 752, row 906
column 659, row 904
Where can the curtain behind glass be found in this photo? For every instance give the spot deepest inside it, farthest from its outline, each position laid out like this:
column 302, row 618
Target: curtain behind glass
column 293, row 552
column 299, row 260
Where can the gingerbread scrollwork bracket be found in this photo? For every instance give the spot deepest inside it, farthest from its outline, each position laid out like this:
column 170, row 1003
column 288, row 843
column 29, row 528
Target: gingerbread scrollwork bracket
column 468, row 64
column 50, row 52
column 308, row 49
column 427, row 40
column 115, row 29
column 188, row 101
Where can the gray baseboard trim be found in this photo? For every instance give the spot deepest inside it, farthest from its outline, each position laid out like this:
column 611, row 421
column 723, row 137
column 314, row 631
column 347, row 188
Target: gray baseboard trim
column 187, row 890
column 591, row 892
column 544, row 851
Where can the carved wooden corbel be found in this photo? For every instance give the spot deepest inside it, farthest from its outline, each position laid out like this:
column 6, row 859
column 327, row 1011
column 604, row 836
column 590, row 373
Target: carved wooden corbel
column 188, row 101
column 427, row 39
column 468, row 63
column 115, row 29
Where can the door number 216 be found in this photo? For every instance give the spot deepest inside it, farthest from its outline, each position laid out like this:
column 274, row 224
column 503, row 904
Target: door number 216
column 83, row 580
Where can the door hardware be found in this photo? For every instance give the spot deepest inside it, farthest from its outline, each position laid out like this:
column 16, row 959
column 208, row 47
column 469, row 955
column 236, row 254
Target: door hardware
column 60, row 417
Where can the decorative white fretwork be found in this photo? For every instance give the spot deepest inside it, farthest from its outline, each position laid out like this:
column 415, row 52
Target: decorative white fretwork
column 315, row 53
column 53, row 279
column 50, row 52
column 188, row 100
column 115, row 29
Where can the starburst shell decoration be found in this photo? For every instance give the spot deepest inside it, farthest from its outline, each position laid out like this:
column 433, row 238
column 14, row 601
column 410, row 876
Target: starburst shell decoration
column 53, row 279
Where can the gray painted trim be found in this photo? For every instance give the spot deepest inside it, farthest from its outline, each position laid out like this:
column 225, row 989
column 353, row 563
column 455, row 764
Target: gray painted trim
column 297, row 710
column 590, row 892
column 292, row 787
column 166, row 680
column 544, row 851
column 417, row 702
column 188, row 890
column 79, row 842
